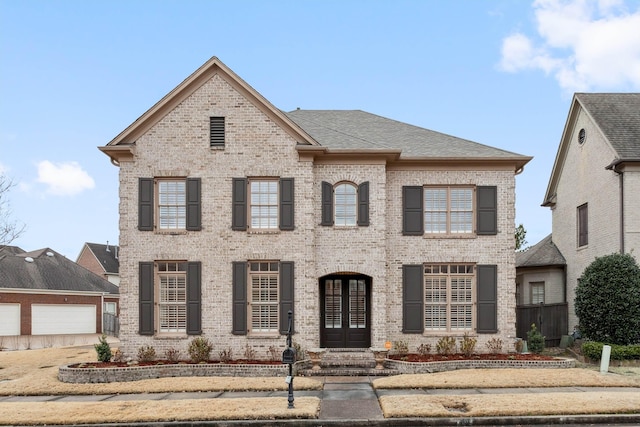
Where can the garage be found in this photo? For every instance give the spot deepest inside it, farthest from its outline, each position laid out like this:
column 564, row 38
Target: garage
column 10, row 315
column 52, row 319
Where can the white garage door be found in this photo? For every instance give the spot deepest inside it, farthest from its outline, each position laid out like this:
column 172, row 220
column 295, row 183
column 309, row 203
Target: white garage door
column 49, row 319
column 10, row 315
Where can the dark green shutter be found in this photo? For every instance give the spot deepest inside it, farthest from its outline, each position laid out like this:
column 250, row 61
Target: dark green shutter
column 327, row 204
column 194, row 311
column 363, row 204
column 412, row 299
column 286, row 204
column 239, row 315
column 145, row 298
column 145, row 204
column 216, row 131
column 487, row 299
column 487, row 210
column 412, row 211
column 194, row 215
column 286, row 294
column 239, row 204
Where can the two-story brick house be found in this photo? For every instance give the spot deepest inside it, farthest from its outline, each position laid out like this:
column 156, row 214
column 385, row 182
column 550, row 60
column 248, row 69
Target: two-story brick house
column 594, row 187
column 233, row 212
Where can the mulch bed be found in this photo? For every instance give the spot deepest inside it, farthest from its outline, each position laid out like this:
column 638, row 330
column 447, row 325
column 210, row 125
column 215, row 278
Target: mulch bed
column 414, row 357
column 167, row 362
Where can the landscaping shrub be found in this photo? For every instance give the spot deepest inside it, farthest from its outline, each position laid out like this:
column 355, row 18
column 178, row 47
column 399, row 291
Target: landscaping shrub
column 593, row 350
column 535, row 340
column 467, row 344
column 424, row 349
column 200, row 349
column 103, row 349
column 226, row 355
column 273, row 353
column 446, row 345
column 401, row 347
column 607, row 300
column 172, row 354
column 494, row 345
column 249, row 352
column 146, row 353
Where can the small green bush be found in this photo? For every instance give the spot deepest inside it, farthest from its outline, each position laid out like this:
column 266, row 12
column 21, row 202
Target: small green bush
column 535, row 340
column 146, row 353
column 593, row 350
column 446, row 345
column 467, row 344
column 200, row 349
column 103, row 349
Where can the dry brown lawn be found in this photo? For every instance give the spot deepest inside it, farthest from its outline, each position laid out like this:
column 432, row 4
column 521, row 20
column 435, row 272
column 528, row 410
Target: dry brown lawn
column 34, row 372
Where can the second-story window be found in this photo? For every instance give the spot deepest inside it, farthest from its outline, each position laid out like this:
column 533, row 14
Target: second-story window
column 172, row 207
column 448, row 210
column 345, row 205
column 264, row 204
column 583, row 225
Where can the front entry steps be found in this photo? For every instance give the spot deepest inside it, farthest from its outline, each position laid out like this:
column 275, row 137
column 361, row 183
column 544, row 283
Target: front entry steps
column 349, row 362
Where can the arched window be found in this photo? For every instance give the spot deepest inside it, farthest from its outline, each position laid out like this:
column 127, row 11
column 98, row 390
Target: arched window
column 345, row 205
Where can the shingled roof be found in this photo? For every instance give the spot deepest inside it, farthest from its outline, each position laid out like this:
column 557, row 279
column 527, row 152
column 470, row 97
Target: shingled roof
column 45, row 269
column 356, row 129
column 543, row 254
column 618, row 116
column 107, row 256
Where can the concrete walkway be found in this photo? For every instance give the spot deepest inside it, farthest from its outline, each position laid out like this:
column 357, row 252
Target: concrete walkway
column 353, row 401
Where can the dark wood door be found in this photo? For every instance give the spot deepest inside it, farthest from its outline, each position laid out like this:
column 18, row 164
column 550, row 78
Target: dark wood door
column 345, row 312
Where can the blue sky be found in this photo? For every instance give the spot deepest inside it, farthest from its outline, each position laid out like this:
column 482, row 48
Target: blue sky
column 73, row 74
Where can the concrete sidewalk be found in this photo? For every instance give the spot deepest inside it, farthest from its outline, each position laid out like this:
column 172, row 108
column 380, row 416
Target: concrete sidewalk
column 353, row 401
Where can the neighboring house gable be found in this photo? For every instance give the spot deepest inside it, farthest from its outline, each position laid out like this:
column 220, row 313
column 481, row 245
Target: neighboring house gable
column 367, row 229
column 101, row 260
column 594, row 188
column 44, row 293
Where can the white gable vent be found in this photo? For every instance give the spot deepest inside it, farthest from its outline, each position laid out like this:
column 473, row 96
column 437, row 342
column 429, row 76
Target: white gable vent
column 49, row 253
column 28, row 259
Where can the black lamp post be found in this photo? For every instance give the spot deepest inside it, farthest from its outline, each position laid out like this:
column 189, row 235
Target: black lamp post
column 289, row 357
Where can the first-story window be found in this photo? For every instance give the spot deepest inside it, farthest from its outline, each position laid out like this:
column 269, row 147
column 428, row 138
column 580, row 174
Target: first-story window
column 537, row 292
column 448, row 294
column 172, row 297
column 263, row 293
column 110, row 308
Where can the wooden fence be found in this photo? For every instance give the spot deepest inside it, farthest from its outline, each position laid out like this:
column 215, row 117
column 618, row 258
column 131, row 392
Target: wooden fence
column 110, row 324
column 552, row 320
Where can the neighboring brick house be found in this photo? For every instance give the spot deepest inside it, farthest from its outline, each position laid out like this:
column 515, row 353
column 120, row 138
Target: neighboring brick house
column 594, row 188
column 370, row 230
column 44, row 293
column 102, row 260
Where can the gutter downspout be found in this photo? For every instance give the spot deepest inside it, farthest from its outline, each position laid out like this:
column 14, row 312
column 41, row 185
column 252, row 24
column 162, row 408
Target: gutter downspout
column 614, row 167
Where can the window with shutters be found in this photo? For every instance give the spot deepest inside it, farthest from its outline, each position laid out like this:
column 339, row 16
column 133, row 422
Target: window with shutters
column 448, row 297
column 263, row 297
column 216, row 131
column 448, row 210
column 583, row 225
column 345, row 205
column 263, row 207
column 172, row 204
column 171, row 282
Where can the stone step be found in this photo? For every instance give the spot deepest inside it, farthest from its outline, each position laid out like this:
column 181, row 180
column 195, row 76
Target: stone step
column 347, row 372
column 347, row 362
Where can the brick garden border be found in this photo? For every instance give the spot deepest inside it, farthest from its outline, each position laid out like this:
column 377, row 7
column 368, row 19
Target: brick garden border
column 429, row 367
column 68, row 374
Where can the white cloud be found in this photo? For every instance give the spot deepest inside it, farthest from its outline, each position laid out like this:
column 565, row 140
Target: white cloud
column 64, row 179
column 585, row 44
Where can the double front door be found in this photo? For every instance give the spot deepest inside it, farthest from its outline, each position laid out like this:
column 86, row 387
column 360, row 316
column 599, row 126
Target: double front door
column 345, row 311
